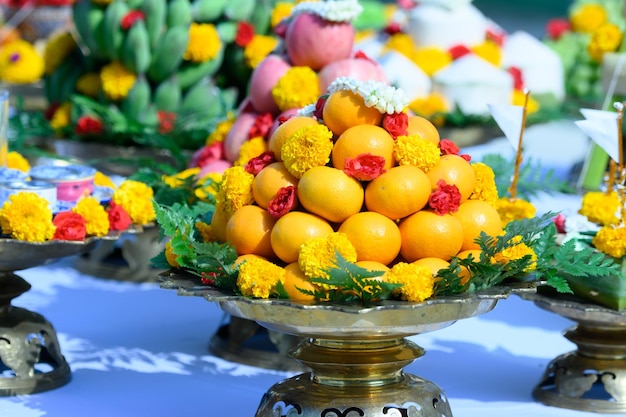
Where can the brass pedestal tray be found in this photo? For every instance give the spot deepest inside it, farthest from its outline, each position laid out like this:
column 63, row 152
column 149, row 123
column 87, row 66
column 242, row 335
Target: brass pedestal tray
column 30, row 356
column 593, row 377
column 356, row 354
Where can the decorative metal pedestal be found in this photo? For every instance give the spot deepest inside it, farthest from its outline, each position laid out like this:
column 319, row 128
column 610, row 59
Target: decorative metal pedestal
column 356, row 354
column 593, row 377
column 30, row 356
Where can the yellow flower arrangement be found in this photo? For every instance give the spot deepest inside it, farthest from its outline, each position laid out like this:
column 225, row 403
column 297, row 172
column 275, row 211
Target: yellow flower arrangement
column 417, row 281
column 607, row 38
column 20, row 63
column 514, row 209
column 235, row 190
column 517, row 250
column 281, row 11
column 308, row 147
column 136, row 198
column 27, row 216
column 206, row 232
column 413, row 150
column 204, row 43
column 588, row 17
column 610, row 240
column 485, row 188
column 258, row 277
column 601, row 207
column 259, row 47
column 221, row 130
column 103, row 180
column 318, row 254
column 15, row 160
column 96, row 217
column 297, row 88
column 249, row 149
column 116, row 80
column 432, row 107
column 61, row 117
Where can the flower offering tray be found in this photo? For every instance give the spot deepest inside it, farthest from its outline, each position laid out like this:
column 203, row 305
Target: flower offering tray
column 593, row 377
column 30, row 356
column 356, row 353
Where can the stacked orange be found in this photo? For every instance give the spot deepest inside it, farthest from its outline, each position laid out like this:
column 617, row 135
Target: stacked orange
column 380, row 194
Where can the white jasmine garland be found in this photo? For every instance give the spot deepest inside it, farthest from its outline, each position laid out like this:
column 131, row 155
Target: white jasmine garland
column 307, row 110
column 331, row 10
column 385, row 98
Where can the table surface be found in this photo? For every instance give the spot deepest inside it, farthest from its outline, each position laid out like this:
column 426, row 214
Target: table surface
column 138, row 350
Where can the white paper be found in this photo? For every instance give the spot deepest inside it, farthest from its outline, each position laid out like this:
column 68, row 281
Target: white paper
column 601, row 127
column 510, row 119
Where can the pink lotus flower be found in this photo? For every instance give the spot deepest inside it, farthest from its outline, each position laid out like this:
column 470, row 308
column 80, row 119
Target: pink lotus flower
column 361, row 68
column 263, row 79
column 238, row 134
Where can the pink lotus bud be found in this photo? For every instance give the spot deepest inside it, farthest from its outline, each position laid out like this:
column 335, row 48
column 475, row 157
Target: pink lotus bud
column 263, row 79
column 359, row 68
column 214, row 167
column 238, row 134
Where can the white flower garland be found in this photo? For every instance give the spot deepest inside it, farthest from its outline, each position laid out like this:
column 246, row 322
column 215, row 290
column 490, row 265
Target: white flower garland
column 331, row 10
column 385, row 98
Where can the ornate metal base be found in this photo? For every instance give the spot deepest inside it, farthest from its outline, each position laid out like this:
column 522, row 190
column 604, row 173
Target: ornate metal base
column 358, row 377
column 593, row 377
column 246, row 342
column 30, row 357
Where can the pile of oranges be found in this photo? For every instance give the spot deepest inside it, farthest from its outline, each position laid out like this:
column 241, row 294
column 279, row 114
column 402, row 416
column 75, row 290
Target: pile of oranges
column 388, row 219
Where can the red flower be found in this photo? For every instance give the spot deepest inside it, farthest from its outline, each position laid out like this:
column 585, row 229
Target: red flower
column 69, row 226
column 166, row 121
column 496, row 35
column 362, row 55
column 88, row 125
column 518, row 79
column 52, row 108
column 256, row 164
column 457, row 51
column 555, row 28
column 283, row 118
column 396, row 124
column 466, row 157
column 365, row 167
column 206, row 155
column 119, row 219
column 245, row 33
column 262, row 125
column 559, row 222
column 208, row 278
column 319, row 107
column 446, row 199
column 393, row 28
column 447, row 147
column 131, row 18
column 284, row 202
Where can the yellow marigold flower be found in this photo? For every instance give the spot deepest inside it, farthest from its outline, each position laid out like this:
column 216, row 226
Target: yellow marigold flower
column 116, row 80
column 485, row 187
column 281, row 11
column 178, row 179
column 517, row 250
column 518, row 99
column 417, row 281
column 208, row 185
column 15, row 160
column 20, row 63
column 221, row 130
column 235, row 190
column 588, row 18
column 611, row 241
column 402, row 43
column 62, row 117
column 250, row 149
column 514, row 209
column 308, row 147
column 204, row 43
column 258, row 277
column 413, row 150
column 103, row 180
column 607, row 38
column 27, row 216
column 319, row 254
column 89, row 84
column 296, row 89
column 96, row 217
column 432, row 59
column 431, row 107
column 136, row 198
column 489, row 51
column 57, row 49
column 600, row 207
column 206, row 232
column 258, row 48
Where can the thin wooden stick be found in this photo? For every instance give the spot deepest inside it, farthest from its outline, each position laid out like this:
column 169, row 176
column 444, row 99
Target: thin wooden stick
column 518, row 156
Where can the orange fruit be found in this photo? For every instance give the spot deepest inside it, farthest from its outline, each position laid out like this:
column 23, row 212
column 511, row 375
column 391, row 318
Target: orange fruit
column 284, row 132
column 477, row 216
column 294, row 278
column 399, row 192
column 330, row 193
column 362, row 139
column 293, row 229
column 434, row 264
column 344, row 109
column 373, row 266
column 269, row 180
column 374, row 236
column 464, row 275
column 424, row 128
column 426, row 234
column 249, row 230
column 453, row 169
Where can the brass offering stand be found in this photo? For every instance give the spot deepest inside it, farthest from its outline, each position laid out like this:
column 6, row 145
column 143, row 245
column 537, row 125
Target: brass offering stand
column 30, row 356
column 592, row 377
column 356, row 354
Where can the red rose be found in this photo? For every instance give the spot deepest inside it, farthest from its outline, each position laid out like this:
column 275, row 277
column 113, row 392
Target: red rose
column 119, row 219
column 256, row 164
column 319, row 107
column 88, row 125
column 131, row 18
column 206, row 155
column 396, row 124
column 446, row 199
column 393, row 28
column 262, row 125
column 284, row 202
column 69, row 226
column 166, row 121
column 559, row 222
column 447, row 147
column 458, row 51
column 365, row 167
column 555, row 28
column 245, row 33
